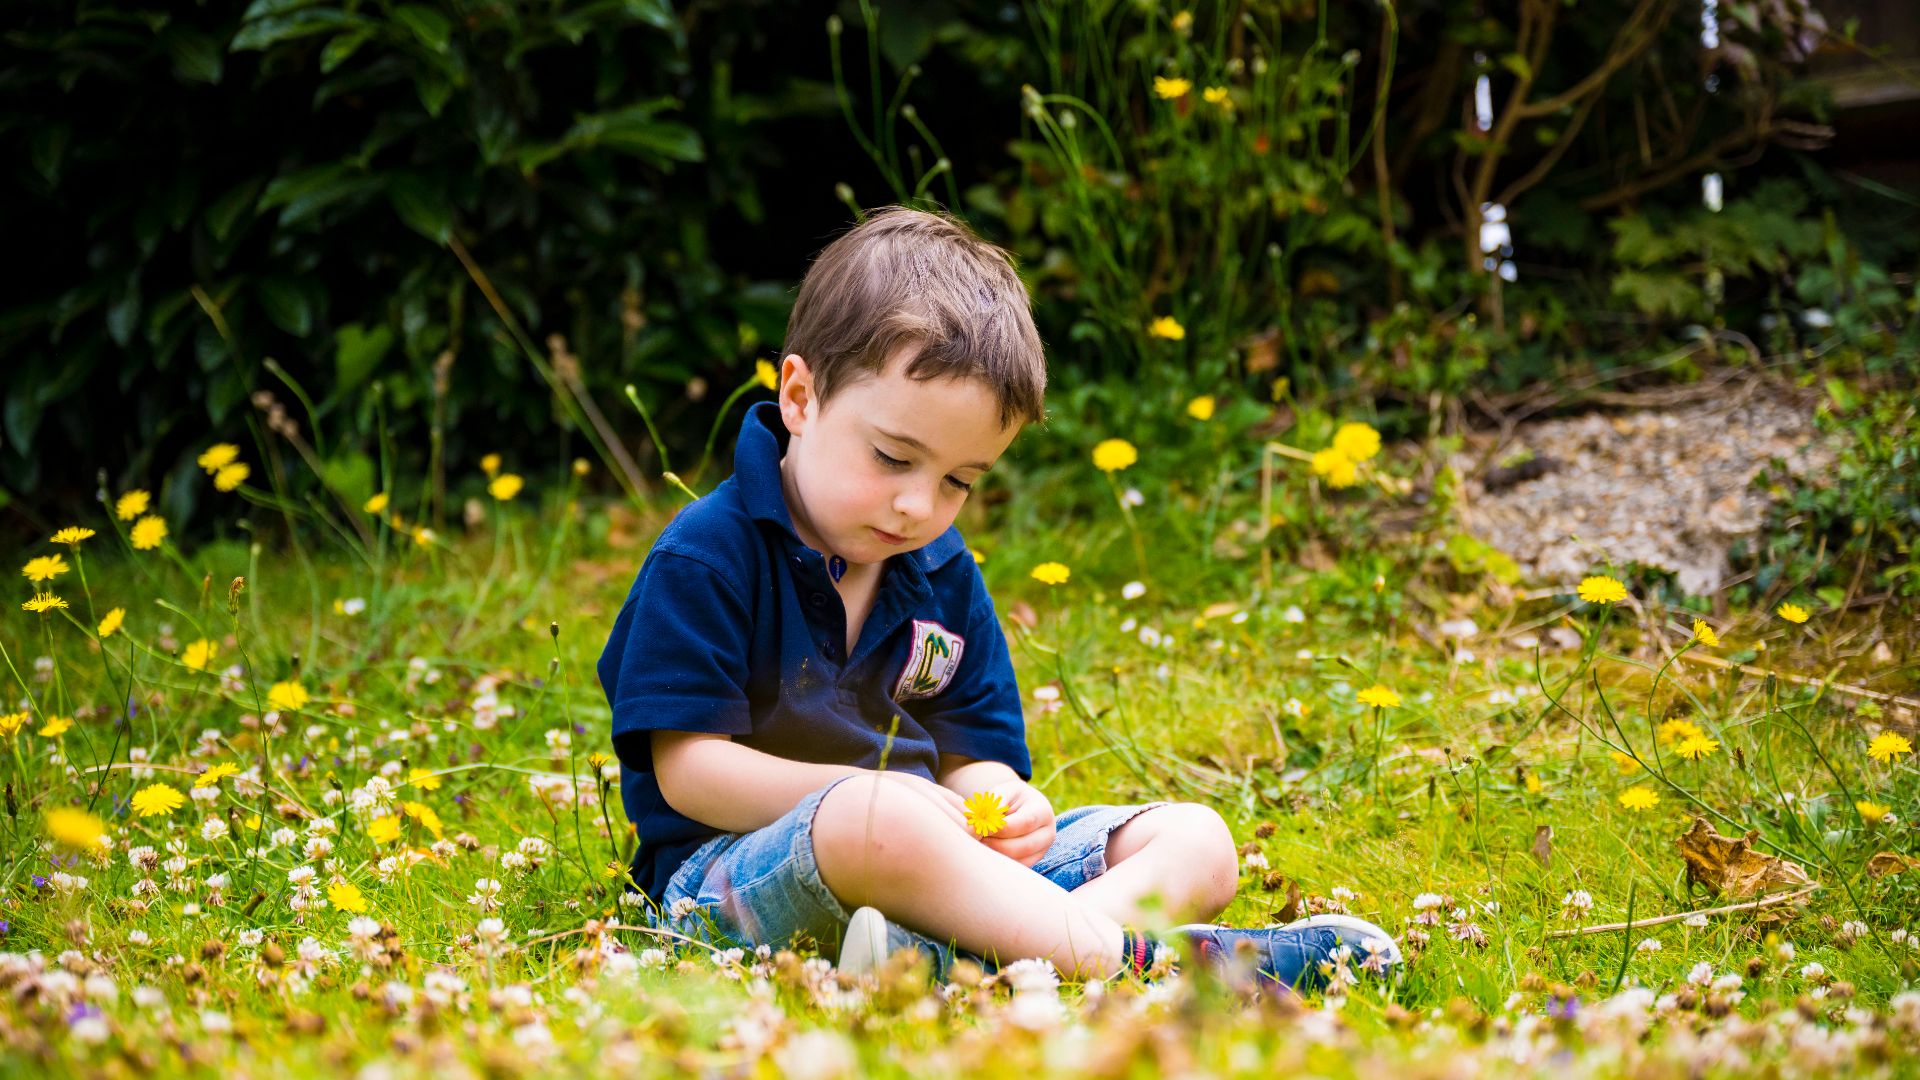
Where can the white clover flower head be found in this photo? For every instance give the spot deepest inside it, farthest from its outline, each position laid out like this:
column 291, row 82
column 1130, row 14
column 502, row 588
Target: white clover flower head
column 1577, row 903
column 1696, row 920
column 361, row 928
column 1293, row 614
column 1651, row 945
column 1133, row 590
column 682, row 908
column 1701, row 975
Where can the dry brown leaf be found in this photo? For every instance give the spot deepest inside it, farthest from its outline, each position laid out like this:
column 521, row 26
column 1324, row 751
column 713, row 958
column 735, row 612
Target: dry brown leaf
column 1890, row 862
column 1732, row 867
column 1543, row 844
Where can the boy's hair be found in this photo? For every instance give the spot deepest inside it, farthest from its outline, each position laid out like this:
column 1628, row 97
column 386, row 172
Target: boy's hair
column 910, row 277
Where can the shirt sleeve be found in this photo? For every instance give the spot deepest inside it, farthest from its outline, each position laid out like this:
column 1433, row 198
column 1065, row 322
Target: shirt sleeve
column 979, row 715
column 677, row 658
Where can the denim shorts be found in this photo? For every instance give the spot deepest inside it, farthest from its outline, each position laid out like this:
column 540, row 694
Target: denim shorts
column 764, row 887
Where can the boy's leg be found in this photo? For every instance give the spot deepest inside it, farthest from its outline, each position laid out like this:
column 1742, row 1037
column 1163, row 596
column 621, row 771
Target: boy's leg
column 879, row 844
column 1172, row 864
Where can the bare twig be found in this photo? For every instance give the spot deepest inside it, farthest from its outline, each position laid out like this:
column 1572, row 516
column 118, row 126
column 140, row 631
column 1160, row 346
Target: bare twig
column 1765, row 901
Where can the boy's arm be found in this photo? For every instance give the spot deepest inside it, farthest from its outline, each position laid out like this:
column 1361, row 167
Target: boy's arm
column 718, row 782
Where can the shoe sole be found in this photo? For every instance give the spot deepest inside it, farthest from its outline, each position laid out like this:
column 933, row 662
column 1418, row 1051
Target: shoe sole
column 1354, row 923
column 864, row 947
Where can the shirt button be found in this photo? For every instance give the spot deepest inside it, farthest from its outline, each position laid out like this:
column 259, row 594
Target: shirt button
column 818, row 600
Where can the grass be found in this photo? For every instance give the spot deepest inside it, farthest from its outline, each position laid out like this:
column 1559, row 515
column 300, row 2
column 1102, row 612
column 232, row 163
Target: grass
column 459, row 671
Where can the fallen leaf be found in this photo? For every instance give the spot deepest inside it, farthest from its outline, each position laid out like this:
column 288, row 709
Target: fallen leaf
column 1023, row 613
column 1291, row 911
column 1731, row 867
column 1543, row 844
column 1220, row 609
column 1887, row 863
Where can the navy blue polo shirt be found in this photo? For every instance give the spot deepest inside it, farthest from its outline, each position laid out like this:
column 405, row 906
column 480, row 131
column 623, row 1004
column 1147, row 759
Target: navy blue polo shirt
column 733, row 627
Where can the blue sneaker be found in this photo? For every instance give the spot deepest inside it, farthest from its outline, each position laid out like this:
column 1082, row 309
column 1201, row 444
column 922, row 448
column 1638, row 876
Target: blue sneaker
column 871, row 938
column 1313, row 953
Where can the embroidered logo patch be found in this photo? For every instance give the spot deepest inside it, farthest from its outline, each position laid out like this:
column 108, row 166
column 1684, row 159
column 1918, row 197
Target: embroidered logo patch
column 931, row 662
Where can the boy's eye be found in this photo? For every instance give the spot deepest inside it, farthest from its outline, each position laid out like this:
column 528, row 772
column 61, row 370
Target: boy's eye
column 963, row 486
column 889, row 462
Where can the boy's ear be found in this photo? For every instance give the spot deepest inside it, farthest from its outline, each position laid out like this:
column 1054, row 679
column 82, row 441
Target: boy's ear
column 796, row 392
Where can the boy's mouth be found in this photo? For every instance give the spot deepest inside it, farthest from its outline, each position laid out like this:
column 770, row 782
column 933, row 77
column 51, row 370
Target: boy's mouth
column 887, row 537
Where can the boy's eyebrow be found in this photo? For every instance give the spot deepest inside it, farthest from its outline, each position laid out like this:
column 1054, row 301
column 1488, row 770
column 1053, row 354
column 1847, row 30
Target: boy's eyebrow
column 908, row 440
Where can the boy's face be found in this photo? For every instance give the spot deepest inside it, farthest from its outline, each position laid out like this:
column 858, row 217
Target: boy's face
column 884, row 467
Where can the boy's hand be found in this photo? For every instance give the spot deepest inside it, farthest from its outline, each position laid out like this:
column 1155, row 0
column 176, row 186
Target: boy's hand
column 1029, row 828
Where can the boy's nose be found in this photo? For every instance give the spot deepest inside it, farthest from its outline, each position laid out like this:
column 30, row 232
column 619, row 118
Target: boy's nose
column 914, row 502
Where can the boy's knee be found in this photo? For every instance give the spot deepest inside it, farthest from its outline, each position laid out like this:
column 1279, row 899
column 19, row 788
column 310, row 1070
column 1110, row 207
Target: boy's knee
column 867, row 827
column 1204, row 833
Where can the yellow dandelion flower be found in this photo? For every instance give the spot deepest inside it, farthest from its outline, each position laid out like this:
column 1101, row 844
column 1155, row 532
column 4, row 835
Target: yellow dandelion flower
column 157, row 800
column 1201, row 408
column 1639, row 798
column 490, row 464
column 1112, row 455
column 1793, row 613
column 1533, row 783
column 347, row 897
column 215, row 773
column 1167, row 327
column 199, row 654
column 44, row 568
column 111, row 621
column 1358, row 441
column 1051, row 573
column 384, row 829
column 423, row 814
column 377, row 504
column 1379, row 696
column 1183, row 22
column 1217, row 95
column 219, row 456
column 1696, row 747
column 581, row 466
column 1673, row 731
column 1338, row 468
column 148, row 532
column 422, row 536
column 72, row 535
column 986, row 813
column 1888, row 745
column 426, row 781
column 75, row 828
column 288, row 696
column 594, row 760
column 1872, row 813
column 11, row 723
column 1704, row 634
column 1600, row 589
column 1624, row 763
column 766, row 374
column 43, row 603
column 505, row 486
column 1170, row 89
column 231, row 476
column 132, row 505
column 56, row 726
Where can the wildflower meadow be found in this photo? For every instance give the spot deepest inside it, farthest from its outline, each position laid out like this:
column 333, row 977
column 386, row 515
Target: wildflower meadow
column 327, row 466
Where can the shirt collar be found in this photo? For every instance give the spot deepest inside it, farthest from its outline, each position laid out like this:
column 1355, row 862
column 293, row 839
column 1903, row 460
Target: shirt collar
column 756, row 468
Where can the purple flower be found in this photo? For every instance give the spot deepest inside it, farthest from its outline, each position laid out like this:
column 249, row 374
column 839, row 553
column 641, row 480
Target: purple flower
column 82, row 1011
column 39, row 882
column 1563, row 1010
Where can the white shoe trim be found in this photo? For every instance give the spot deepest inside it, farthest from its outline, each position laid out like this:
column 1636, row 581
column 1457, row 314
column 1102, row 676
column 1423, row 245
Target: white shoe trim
column 1353, row 923
column 864, row 947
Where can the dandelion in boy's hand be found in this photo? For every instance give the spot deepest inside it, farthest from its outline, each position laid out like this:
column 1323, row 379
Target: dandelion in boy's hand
column 1170, row 89
column 218, row 456
column 1379, row 696
column 766, row 375
column 131, row 505
column 157, row 800
column 74, row 828
column 1793, row 613
column 215, row 773
column 44, row 568
column 148, row 532
column 56, row 726
column 43, row 603
column 198, row 654
column 1359, row 442
column 490, row 464
column 231, row 476
column 505, row 486
column 1600, row 589
column 986, row 813
column 1113, row 455
column 1639, row 798
column 1167, row 328
column 72, row 535
column 111, row 621
column 377, row 503
column 1695, row 747
column 1872, row 813
column 347, row 897
column 1339, row 469
column 1201, row 408
column 1888, row 745
column 1051, row 573
column 1704, row 634
column 288, row 696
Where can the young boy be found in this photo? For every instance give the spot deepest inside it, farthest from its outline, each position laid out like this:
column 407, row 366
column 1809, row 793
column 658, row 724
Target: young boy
column 808, row 679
